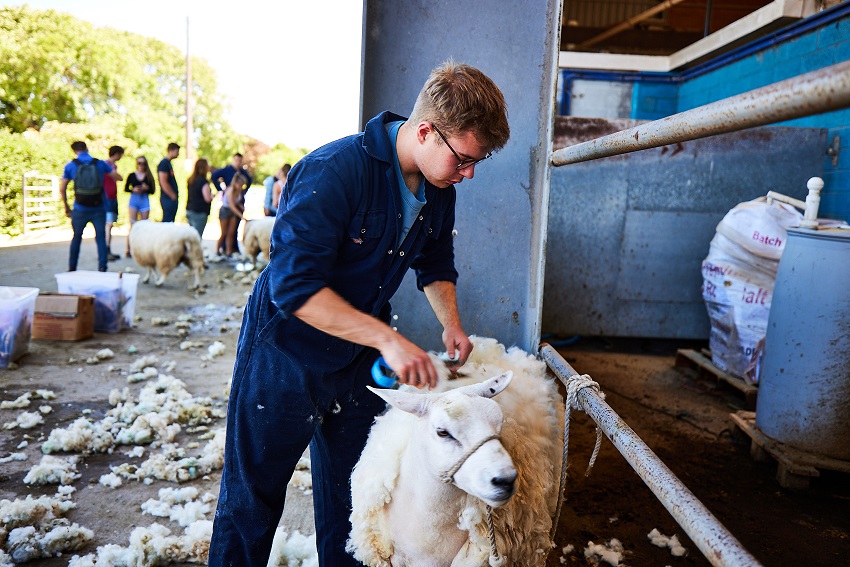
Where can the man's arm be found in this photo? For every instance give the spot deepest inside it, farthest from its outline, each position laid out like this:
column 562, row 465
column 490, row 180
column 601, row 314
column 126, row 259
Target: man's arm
column 63, row 188
column 442, row 296
column 329, row 312
column 112, row 171
column 166, row 186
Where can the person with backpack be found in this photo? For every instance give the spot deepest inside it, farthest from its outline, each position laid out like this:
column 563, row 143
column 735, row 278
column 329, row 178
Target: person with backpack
column 87, row 173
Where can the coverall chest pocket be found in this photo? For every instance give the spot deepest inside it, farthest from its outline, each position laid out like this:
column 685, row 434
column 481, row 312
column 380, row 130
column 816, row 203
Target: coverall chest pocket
column 433, row 225
column 364, row 234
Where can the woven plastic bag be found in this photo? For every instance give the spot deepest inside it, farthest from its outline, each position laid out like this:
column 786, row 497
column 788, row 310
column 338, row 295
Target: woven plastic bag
column 738, row 277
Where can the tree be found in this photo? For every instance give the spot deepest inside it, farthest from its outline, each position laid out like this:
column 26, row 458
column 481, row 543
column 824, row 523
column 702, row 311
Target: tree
column 58, row 68
column 63, row 79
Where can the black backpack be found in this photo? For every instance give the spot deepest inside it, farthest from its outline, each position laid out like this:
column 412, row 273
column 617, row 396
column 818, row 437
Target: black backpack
column 88, row 184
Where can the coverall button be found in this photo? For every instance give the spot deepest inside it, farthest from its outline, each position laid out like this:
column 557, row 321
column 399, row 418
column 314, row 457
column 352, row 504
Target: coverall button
column 421, row 217
column 389, row 251
column 401, row 253
column 362, row 231
column 399, row 215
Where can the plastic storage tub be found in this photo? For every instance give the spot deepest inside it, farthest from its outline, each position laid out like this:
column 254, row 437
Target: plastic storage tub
column 114, row 296
column 17, row 305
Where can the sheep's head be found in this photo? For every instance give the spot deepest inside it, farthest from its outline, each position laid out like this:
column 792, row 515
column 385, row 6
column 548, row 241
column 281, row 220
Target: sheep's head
column 460, row 427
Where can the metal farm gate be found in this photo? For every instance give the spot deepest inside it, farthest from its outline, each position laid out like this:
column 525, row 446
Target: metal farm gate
column 40, row 198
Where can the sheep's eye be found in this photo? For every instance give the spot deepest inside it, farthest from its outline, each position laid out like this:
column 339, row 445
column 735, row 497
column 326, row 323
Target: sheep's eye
column 444, row 434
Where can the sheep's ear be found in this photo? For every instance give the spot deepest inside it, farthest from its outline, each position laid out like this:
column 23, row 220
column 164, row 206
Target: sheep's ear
column 417, row 404
column 490, row 387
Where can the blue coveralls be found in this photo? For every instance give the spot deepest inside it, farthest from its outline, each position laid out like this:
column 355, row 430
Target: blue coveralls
column 294, row 385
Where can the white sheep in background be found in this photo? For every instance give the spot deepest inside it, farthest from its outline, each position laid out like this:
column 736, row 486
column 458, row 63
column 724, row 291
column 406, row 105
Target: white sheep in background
column 257, row 237
column 162, row 246
column 403, row 514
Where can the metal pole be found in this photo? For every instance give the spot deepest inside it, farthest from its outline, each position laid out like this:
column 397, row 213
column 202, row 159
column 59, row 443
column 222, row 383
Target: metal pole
column 189, row 121
column 812, row 93
column 716, row 543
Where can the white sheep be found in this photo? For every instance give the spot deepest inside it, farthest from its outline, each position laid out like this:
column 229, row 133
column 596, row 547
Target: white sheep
column 257, row 237
column 405, row 514
column 162, row 246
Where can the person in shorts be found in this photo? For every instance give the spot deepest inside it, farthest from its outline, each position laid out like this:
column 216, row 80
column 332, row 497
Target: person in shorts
column 198, row 196
column 111, row 189
column 230, row 214
column 140, row 185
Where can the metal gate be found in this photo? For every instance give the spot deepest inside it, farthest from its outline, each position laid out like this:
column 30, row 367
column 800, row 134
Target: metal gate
column 40, row 196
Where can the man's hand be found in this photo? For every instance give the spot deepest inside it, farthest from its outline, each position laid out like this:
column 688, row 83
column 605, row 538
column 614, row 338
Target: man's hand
column 67, row 210
column 329, row 312
column 456, row 341
column 443, row 299
column 411, row 364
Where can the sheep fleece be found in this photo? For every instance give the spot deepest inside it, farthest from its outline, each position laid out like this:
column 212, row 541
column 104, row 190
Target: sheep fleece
column 163, row 246
column 257, row 237
column 532, row 433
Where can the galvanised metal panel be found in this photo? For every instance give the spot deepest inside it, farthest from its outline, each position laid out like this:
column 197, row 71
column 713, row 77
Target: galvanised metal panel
column 617, row 224
column 653, row 254
column 502, row 212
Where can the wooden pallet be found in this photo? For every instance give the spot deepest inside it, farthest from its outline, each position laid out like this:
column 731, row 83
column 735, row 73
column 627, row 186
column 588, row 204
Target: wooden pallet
column 701, row 362
column 795, row 466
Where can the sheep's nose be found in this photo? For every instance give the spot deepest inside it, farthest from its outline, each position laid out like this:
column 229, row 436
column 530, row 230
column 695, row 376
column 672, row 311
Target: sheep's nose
column 505, row 482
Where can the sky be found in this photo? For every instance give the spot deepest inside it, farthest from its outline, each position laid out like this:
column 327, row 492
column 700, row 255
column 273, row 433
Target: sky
column 290, row 69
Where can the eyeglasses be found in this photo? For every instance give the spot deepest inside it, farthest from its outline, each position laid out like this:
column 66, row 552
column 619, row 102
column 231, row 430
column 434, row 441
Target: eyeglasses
column 462, row 163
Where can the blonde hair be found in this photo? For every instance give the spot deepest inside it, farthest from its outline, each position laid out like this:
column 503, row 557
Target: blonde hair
column 459, row 98
column 239, row 181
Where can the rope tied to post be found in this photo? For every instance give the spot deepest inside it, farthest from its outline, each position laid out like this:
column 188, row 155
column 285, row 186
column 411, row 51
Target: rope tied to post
column 575, row 385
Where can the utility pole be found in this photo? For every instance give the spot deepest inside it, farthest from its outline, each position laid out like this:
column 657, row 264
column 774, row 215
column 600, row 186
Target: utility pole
column 189, row 127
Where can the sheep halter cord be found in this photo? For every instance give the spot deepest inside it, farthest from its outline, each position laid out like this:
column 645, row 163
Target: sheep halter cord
column 448, row 477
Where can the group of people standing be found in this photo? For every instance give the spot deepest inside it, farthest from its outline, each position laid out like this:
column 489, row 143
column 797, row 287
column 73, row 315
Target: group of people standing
column 96, row 197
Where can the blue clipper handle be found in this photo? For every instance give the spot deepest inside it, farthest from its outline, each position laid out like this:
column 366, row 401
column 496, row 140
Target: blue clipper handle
column 382, row 374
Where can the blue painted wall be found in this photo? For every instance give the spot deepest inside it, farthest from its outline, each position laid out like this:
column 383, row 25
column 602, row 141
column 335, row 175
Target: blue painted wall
column 814, row 43
column 651, row 101
column 814, row 49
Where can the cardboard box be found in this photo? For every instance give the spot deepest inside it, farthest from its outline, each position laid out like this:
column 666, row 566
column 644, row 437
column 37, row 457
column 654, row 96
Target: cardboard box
column 63, row 317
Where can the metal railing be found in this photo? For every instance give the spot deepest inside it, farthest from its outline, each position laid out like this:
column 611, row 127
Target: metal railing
column 812, row 93
column 816, row 92
column 718, row 545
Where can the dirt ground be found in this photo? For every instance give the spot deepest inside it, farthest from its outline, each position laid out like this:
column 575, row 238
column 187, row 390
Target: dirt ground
column 112, row 513
column 683, row 418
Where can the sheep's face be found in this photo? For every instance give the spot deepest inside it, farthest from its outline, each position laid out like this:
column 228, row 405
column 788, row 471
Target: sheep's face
column 457, row 423
column 450, row 427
